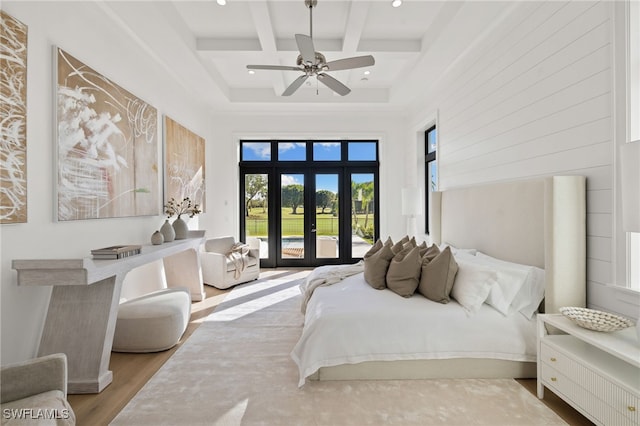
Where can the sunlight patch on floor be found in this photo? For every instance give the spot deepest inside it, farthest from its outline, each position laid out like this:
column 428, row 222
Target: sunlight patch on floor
column 272, row 297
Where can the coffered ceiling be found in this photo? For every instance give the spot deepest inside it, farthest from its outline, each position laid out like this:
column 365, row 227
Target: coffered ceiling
column 206, row 47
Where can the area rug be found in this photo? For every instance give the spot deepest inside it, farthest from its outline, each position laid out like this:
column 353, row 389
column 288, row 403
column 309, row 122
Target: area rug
column 235, row 369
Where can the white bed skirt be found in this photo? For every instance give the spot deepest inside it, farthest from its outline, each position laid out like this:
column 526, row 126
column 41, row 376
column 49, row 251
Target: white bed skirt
column 460, row 368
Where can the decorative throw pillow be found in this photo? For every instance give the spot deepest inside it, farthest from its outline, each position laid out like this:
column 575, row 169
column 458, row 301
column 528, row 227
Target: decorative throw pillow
column 411, row 243
column 472, row 285
column 376, row 266
column 429, row 253
column 404, row 272
column 374, row 248
column 397, row 247
column 437, row 276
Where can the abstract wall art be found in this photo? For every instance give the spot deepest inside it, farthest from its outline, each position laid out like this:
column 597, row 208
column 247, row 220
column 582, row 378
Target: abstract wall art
column 184, row 163
column 13, row 120
column 108, row 161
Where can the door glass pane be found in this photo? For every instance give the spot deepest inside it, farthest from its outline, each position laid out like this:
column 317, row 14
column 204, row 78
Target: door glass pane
column 256, row 197
column 292, row 222
column 256, row 151
column 362, row 151
column 362, row 213
column 431, row 140
column 292, row 151
column 327, row 216
column 433, row 176
column 326, row 151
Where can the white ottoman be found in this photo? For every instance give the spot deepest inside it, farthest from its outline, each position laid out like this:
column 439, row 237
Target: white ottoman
column 153, row 322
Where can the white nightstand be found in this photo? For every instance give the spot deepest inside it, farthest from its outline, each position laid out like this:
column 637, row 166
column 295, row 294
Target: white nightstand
column 597, row 373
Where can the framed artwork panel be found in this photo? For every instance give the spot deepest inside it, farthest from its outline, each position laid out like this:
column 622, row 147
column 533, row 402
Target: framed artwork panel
column 13, row 120
column 184, row 163
column 108, row 161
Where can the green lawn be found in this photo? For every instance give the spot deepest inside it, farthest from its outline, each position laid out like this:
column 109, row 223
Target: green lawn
column 292, row 225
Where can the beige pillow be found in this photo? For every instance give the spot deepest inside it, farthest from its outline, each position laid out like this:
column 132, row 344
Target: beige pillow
column 429, row 253
column 375, row 267
column 404, row 272
column 397, row 247
column 374, row 248
column 438, row 276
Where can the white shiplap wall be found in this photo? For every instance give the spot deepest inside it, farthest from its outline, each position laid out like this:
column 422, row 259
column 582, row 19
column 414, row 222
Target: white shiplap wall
column 535, row 99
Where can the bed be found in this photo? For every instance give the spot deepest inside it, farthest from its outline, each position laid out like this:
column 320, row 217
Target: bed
column 539, row 222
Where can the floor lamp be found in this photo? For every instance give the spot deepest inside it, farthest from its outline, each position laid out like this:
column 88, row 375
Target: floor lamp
column 630, row 185
column 411, row 207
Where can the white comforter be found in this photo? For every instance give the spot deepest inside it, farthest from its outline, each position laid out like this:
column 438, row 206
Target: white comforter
column 326, row 275
column 350, row 322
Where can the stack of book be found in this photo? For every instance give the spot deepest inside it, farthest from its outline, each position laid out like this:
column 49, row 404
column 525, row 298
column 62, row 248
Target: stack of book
column 116, row 252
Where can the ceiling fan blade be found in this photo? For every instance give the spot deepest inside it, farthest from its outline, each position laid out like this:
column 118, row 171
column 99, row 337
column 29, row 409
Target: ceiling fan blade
column 273, row 67
column 305, row 45
column 295, row 85
column 333, row 84
column 349, row 63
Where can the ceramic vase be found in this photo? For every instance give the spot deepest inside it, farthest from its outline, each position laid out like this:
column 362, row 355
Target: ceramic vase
column 167, row 232
column 157, row 238
column 180, row 226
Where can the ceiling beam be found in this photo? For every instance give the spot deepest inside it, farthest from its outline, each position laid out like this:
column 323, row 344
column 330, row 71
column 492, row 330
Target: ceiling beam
column 212, row 45
column 266, row 34
column 356, row 20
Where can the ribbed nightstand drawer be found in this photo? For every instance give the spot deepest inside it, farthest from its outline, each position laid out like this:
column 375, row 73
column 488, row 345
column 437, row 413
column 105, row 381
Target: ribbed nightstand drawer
column 600, row 386
column 585, row 401
column 557, row 381
column 549, row 355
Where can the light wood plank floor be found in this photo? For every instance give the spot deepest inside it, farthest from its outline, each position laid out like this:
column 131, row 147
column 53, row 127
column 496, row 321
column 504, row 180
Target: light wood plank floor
column 132, row 371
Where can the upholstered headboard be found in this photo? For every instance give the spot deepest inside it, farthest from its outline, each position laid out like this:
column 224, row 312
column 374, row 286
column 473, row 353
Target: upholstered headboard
column 538, row 222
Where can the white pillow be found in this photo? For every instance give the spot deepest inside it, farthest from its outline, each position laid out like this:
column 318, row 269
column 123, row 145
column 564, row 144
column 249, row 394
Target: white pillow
column 456, row 250
column 472, row 285
column 508, row 281
column 530, row 291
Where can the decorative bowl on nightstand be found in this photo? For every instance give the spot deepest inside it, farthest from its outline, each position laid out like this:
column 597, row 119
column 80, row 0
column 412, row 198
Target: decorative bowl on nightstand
column 596, row 320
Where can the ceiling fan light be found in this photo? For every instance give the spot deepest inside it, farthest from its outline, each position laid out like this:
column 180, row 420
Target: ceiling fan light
column 396, row 3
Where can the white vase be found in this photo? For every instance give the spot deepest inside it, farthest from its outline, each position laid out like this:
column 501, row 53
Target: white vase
column 167, row 232
column 181, row 228
column 157, row 238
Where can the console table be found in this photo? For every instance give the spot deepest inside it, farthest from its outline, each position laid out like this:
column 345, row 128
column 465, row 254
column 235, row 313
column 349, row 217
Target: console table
column 83, row 308
column 597, row 373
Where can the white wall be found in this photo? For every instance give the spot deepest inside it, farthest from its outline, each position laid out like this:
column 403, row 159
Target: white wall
column 535, row 98
column 230, row 129
column 80, row 29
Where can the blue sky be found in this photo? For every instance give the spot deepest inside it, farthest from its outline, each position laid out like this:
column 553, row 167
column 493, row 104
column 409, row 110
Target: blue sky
column 296, row 151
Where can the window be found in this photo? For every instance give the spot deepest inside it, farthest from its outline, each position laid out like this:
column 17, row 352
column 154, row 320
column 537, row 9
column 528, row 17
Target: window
column 362, row 151
column 327, row 151
column 633, row 81
column 292, row 151
column 431, row 168
column 309, row 203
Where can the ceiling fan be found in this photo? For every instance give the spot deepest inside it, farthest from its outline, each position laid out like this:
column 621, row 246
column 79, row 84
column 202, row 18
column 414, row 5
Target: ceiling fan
column 312, row 63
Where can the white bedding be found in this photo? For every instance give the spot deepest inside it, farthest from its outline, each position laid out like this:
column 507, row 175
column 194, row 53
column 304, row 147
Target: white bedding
column 364, row 324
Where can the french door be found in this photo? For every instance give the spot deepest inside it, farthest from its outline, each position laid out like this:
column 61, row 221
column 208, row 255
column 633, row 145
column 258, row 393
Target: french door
column 309, row 213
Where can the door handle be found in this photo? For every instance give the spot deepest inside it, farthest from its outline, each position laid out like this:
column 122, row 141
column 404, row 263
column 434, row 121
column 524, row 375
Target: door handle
column 313, row 228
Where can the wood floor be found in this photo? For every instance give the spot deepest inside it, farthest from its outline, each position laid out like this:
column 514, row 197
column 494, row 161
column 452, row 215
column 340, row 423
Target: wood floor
column 132, row 371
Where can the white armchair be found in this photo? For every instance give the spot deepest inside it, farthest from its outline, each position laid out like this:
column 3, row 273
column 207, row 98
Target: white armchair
column 35, row 392
column 226, row 263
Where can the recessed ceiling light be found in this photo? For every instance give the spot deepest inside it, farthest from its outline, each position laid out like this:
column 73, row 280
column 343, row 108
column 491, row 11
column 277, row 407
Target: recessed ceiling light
column 394, row 3
column 252, row 72
column 221, row 2
column 367, row 72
